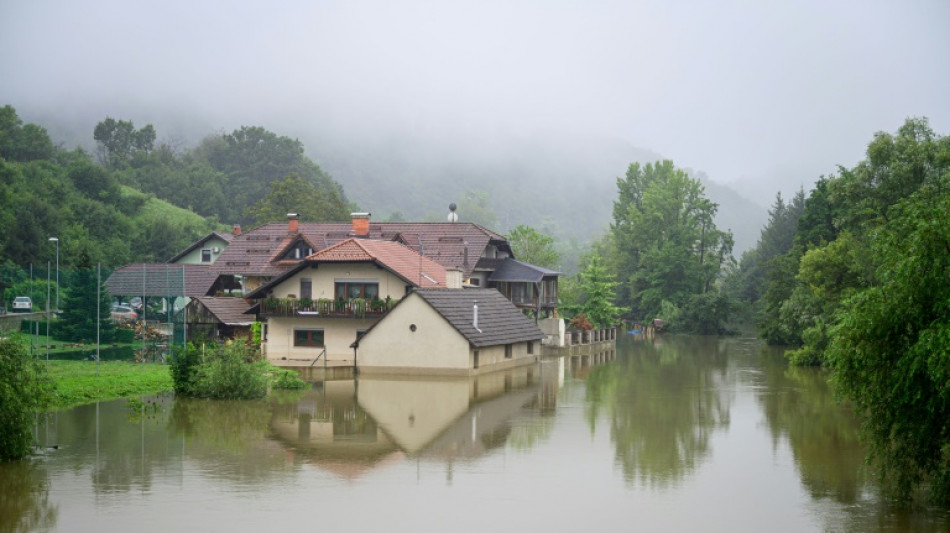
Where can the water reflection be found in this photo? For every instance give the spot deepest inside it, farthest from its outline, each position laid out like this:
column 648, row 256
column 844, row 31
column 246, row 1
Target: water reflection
column 349, row 427
column 24, row 497
column 800, row 406
column 663, row 402
column 720, row 428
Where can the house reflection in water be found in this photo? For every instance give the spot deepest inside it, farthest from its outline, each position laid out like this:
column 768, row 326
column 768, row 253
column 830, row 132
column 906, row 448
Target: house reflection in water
column 349, row 427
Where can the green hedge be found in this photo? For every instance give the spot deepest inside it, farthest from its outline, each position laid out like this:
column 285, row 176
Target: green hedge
column 119, row 353
column 122, row 336
column 29, row 326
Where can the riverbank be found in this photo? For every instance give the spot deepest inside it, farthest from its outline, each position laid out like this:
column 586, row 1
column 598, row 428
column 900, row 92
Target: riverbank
column 77, row 382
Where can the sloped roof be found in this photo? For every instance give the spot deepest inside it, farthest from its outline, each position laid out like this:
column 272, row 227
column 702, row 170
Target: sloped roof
column 228, row 311
column 161, row 279
column 391, row 255
column 499, row 320
column 512, row 270
column 256, row 252
column 226, row 237
column 398, row 258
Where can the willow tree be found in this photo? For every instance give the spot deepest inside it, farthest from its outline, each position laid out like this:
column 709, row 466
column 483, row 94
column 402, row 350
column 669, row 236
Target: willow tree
column 668, row 250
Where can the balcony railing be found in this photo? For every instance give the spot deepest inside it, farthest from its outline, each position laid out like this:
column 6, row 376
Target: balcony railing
column 547, row 302
column 356, row 308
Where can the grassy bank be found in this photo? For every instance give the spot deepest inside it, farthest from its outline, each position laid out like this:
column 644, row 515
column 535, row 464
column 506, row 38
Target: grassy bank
column 76, row 382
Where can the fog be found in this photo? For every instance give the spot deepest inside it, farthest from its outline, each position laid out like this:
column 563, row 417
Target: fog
column 763, row 96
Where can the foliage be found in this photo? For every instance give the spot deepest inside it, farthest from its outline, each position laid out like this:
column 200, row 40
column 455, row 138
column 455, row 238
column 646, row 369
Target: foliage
column 531, row 246
column 666, row 245
column 580, row 322
column 228, row 371
column 286, row 379
column 119, row 141
column 890, row 347
column 84, row 303
column 24, row 392
column 293, row 194
column 597, row 293
column 19, row 142
column 476, row 206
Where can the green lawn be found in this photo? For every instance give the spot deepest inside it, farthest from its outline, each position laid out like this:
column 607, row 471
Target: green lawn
column 76, row 382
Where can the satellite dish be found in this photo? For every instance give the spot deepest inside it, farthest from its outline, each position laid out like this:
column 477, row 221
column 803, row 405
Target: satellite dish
column 453, row 216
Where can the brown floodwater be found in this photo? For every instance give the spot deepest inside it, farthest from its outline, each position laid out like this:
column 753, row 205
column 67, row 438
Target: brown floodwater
column 671, row 434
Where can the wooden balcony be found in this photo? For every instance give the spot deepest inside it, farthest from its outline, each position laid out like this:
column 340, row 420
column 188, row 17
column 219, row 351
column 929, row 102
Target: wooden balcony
column 357, row 308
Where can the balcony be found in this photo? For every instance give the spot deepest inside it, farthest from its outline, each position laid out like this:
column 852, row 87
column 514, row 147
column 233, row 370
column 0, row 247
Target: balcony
column 356, row 308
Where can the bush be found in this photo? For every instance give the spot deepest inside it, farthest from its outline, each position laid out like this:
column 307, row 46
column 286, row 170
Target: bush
column 282, row 378
column 220, row 372
column 24, row 391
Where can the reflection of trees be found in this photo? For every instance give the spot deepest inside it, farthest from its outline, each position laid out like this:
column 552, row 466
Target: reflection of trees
column 228, row 437
column 24, row 498
column 663, row 402
column 128, row 445
column 822, row 433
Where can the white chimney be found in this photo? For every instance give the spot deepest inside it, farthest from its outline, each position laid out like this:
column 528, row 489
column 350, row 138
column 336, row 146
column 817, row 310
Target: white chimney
column 453, row 278
column 475, row 316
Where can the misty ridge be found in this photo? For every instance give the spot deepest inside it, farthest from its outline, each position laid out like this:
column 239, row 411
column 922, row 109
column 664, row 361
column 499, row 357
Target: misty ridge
column 563, row 185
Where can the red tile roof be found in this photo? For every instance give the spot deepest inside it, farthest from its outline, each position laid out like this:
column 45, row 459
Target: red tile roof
column 398, row 258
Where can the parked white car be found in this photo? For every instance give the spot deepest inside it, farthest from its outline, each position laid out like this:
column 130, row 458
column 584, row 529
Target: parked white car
column 22, row 304
column 122, row 313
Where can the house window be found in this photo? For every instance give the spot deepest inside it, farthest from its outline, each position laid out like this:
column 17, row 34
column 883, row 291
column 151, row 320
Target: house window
column 349, row 290
column 475, row 358
column 306, row 288
column 475, row 282
column 308, row 337
column 206, row 255
column 507, row 351
column 530, row 348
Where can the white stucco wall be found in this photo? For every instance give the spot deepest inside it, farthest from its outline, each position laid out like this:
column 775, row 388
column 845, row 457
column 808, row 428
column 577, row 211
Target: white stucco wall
column 433, row 344
column 324, row 277
column 435, row 347
column 338, row 334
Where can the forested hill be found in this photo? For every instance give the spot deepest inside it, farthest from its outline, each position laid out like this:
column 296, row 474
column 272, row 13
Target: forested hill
column 134, row 201
column 565, row 186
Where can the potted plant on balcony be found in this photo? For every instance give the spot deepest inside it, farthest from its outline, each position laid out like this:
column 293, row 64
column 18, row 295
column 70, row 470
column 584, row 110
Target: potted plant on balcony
column 306, row 304
column 359, row 307
column 324, row 305
column 339, row 305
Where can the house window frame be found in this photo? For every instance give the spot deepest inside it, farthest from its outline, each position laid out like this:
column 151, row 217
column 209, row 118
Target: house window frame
column 509, row 350
column 309, row 338
column 530, row 347
column 306, row 288
column 342, row 288
column 210, row 255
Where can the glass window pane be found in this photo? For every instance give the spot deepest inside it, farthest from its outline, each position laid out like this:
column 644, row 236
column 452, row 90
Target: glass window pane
column 301, row 337
column 355, row 290
column 372, row 291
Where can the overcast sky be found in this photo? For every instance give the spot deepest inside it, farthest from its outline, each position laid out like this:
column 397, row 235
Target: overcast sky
column 743, row 90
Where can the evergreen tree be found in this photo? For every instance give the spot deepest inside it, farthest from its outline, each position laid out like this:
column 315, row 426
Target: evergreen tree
column 81, row 316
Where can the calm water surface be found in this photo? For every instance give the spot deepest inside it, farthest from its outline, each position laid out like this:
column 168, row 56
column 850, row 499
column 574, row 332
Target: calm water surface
column 677, row 434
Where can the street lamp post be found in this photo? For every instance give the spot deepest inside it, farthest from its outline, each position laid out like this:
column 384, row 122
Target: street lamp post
column 56, row 240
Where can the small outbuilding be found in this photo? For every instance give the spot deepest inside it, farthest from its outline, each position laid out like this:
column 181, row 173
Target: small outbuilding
column 449, row 332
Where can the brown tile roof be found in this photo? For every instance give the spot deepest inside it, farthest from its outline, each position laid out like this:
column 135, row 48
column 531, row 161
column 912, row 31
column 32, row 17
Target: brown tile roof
column 396, row 257
column 228, row 311
column 257, row 251
column 161, row 279
column 499, row 321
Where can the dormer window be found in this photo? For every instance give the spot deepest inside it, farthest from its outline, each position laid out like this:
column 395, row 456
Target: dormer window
column 299, row 251
column 206, row 255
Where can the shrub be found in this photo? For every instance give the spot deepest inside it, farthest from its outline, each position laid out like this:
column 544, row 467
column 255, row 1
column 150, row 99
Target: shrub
column 24, row 391
column 282, row 378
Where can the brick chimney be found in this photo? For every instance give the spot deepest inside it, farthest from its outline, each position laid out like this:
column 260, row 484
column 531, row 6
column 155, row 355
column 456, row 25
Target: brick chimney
column 360, row 224
column 236, row 230
column 292, row 222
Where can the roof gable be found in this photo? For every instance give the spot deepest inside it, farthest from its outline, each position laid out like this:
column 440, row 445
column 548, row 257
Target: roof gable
column 394, row 256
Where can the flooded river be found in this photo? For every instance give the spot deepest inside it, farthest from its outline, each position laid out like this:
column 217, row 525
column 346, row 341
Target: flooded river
column 677, row 434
